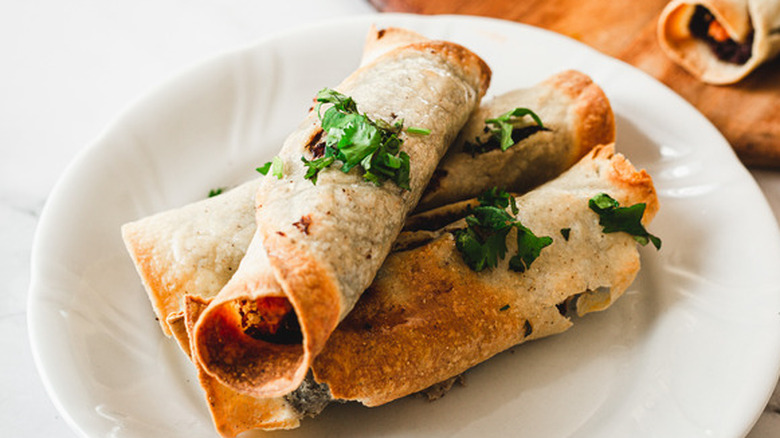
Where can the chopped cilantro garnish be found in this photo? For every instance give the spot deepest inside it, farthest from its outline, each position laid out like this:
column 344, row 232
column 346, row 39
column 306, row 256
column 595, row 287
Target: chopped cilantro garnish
column 529, row 246
column 504, row 307
column 614, row 218
column 504, row 124
column 499, row 198
column 565, row 232
column 215, row 192
column 418, row 131
column 353, row 140
column 275, row 166
column 483, row 242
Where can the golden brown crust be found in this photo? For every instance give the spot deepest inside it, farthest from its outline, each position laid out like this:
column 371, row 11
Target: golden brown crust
column 164, row 297
column 390, row 344
column 591, row 107
column 637, row 184
column 179, row 329
column 428, row 316
column 231, row 411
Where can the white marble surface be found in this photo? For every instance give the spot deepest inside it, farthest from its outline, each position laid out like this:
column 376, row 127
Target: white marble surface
column 67, row 69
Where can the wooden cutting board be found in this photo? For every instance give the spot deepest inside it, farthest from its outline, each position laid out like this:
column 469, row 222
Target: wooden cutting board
column 747, row 113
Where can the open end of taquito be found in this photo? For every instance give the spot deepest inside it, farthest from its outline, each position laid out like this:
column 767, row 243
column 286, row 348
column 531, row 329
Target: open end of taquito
column 253, row 318
column 720, row 41
column 231, row 411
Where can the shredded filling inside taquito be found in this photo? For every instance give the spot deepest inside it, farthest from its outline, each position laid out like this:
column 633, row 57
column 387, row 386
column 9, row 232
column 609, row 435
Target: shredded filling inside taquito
column 705, row 27
column 519, row 134
column 270, row 319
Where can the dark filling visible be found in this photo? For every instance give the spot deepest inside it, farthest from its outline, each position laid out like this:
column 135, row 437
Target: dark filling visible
column 310, row 398
column 568, row 307
column 518, row 135
column 435, row 219
column 727, row 50
column 270, row 319
column 527, row 328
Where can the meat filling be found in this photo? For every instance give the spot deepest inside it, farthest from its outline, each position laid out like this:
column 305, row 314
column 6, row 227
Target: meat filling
column 270, row 319
column 310, row 398
column 705, row 27
column 492, row 143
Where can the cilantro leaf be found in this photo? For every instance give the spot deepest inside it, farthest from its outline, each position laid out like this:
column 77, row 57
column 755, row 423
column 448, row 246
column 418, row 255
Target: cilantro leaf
column 275, row 166
column 353, row 139
column 498, row 198
column 418, row 131
column 264, row 168
column 483, row 242
column 314, row 166
column 529, row 246
column 215, row 192
column 504, row 125
column 565, row 232
column 614, row 218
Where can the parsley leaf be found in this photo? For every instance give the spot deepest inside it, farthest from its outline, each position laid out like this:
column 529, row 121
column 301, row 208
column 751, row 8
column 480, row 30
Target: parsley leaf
column 614, row 218
column 529, row 246
column 418, row 131
column 483, row 242
column 275, row 166
column 565, row 232
column 353, row 139
column 498, row 197
column 314, row 166
column 215, row 192
column 503, row 125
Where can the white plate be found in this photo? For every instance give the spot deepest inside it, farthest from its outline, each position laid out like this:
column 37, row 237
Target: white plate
column 691, row 350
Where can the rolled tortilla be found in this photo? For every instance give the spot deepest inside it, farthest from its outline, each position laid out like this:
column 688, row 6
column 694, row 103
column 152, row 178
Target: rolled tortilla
column 576, row 116
column 195, row 249
column 720, row 41
column 427, row 308
column 318, row 246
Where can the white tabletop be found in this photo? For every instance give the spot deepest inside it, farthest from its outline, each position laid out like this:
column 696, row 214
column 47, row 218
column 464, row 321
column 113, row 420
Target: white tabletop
column 68, row 68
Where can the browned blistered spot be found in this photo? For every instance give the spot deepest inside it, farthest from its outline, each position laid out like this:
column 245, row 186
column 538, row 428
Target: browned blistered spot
column 380, row 33
column 281, row 234
column 314, row 145
column 303, row 224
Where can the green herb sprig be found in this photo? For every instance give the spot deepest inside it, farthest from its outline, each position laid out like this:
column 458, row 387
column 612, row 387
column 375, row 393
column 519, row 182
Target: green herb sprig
column 353, row 139
column 216, row 192
column 275, row 166
column 614, row 218
column 503, row 125
column 483, row 242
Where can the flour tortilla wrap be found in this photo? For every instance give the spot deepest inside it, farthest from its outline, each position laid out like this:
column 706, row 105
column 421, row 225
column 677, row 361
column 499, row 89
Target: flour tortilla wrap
column 576, row 116
column 752, row 23
column 452, row 318
column 318, row 246
column 195, row 249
